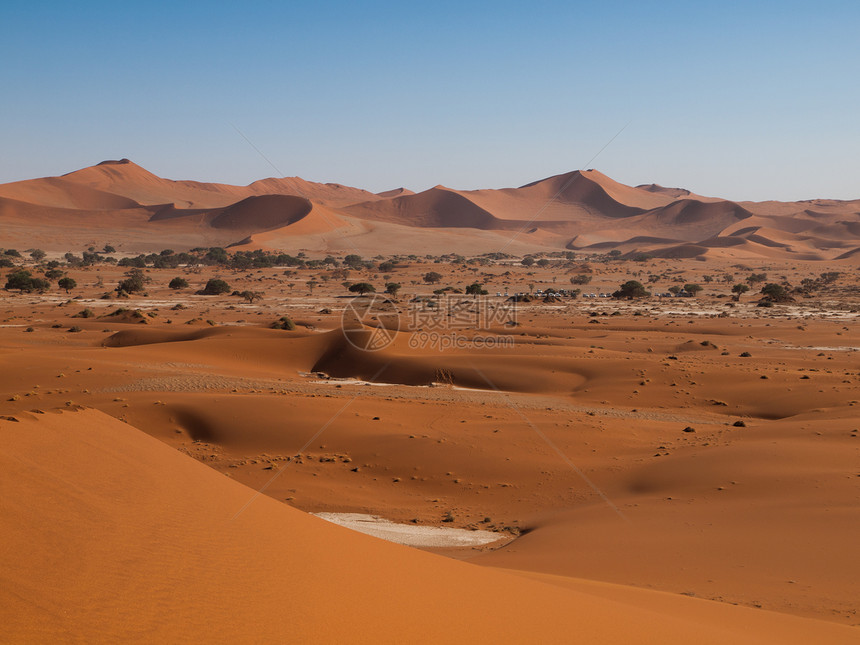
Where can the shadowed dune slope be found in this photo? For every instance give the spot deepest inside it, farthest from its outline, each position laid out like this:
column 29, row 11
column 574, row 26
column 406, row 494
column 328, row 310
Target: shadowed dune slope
column 437, row 207
column 109, row 535
column 262, row 213
column 598, row 191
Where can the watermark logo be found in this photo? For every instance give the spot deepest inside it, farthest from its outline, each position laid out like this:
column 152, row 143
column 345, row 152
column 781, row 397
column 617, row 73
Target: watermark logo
column 371, row 322
column 453, row 340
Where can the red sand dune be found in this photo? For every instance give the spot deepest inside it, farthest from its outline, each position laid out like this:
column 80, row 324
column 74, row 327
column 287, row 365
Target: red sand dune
column 109, row 535
column 578, row 210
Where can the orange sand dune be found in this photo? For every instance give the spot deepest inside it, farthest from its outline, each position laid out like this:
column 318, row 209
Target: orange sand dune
column 333, row 195
column 110, row 535
column 56, row 192
column 395, row 192
column 436, row 207
column 725, row 434
column 637, row 197
column 700, row 218
column 263, row 213
column 151, row 550
column 748, row 518
column 127, row 178
column 576, row 210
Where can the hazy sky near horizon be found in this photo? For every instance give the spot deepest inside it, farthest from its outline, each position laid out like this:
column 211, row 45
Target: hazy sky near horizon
column 743, row 100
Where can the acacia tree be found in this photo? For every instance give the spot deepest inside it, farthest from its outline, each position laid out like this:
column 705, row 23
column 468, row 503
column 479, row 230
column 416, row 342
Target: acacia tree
column 740, row 289
column 25, row 282
column 67, row 283
column 775, row 293
column 134, row 282
column 251, row 296
column 362, row 288
column 391, row 288
column 476, row 289
column 631, row 289
column 692, row 289
column 215, row 287
column 432, row 277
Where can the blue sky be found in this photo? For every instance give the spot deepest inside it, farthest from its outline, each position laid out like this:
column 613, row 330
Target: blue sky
column 752, row 100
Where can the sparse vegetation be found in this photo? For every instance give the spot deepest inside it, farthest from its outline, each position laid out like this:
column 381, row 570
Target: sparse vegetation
column 476, row 289
column 215, row 287
column 67, row 284
column 432, row 277
column 251, row 296
column 22, row 280
column 362, row 288
column 135, row 282
column 631, row 289
column 284, row 322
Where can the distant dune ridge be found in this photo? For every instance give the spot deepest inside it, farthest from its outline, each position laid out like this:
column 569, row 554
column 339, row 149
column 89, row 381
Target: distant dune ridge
column 581, row 210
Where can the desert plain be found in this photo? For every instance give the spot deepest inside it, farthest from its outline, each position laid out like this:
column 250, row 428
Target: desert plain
column 677, row 467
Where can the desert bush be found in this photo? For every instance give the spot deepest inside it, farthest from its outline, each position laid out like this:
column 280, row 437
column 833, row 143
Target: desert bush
column 362, row 288
column 631, row 289
column 432, row 277
column 692, row 289
column 251, row 296
column 133, row 283
column 284, row 322
column 215, row 287
column 25, row 282
column 773, row 292
column 67, row 284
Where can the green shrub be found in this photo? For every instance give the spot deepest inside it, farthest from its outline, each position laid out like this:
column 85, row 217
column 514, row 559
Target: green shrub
column 285, row 323
column 215, row 287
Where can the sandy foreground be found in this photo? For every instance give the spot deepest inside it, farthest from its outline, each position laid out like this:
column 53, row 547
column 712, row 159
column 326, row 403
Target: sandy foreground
column 111, row 535
column 655, row 471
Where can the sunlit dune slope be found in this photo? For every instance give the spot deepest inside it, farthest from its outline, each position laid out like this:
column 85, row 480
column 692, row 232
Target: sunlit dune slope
column 109, row 535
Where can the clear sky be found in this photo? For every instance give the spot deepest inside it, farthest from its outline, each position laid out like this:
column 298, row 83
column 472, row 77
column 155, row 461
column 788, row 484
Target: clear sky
column 744, row 100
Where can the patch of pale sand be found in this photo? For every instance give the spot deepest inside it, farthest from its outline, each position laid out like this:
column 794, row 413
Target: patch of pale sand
column 410, row 534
